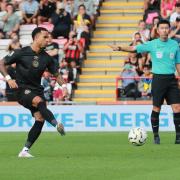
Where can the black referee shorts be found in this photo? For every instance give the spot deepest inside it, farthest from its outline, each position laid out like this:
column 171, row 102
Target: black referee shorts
column 25, row 97
column 165, row 87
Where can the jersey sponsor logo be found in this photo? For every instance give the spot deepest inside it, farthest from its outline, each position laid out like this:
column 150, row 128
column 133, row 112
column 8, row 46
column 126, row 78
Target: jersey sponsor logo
column 159, row 54
column 27, row 91
column 171, row 55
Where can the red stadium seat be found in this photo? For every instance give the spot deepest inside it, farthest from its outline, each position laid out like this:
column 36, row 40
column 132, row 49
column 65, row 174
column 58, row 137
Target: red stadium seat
column 47, row 26
column 60, row 41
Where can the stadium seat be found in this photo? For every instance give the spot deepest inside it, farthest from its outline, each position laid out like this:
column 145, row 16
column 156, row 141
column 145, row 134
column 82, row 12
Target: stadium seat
column 3, row 53
column 4, row 43
column 47, row 26
column 27, row 29
column 25, row 41
column 61, row 42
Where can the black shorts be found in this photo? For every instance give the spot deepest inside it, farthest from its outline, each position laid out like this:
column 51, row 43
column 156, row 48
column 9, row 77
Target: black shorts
column 165, row 87
column 25, row 97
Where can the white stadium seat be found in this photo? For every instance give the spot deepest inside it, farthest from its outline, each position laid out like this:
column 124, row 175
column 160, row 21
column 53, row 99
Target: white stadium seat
column 4, row 43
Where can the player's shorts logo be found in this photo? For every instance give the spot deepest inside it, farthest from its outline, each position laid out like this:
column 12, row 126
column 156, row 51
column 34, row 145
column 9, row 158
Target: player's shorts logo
column 27, row 91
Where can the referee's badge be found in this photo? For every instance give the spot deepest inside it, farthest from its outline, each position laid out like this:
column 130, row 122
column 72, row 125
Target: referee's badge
column 27, row 91
column 159, row 54
column 35, row 62
column 172, row 55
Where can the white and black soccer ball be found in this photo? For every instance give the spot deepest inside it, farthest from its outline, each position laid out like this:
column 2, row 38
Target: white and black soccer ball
column 137, row 136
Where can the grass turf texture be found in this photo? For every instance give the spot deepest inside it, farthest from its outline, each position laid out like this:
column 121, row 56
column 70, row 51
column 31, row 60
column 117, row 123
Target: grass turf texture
column 89, row 156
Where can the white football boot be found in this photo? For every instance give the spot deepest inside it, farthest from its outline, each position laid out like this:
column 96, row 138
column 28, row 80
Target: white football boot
column 25, row 154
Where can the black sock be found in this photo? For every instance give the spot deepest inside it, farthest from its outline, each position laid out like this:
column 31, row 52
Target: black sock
column 46, row 113
column 177, row 124
column 155, row 122
column 34, row 133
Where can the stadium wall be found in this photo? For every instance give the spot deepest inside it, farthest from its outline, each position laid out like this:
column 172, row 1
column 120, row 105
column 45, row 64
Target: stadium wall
column 88, row 118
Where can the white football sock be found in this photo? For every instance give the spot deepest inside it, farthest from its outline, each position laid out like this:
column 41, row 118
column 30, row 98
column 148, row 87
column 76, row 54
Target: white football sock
column 25, row 149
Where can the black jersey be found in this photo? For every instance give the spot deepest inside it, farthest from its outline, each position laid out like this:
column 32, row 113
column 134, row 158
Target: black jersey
column 30, row 66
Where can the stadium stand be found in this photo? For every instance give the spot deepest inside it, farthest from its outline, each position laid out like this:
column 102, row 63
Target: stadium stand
column 93, row 71
column 22, row 10
column 117, row 22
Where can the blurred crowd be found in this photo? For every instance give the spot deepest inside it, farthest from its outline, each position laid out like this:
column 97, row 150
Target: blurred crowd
column 136, row 74
column 70, row 23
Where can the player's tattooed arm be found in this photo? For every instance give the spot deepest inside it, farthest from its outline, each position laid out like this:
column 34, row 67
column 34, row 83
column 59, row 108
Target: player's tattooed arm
column 3, row 70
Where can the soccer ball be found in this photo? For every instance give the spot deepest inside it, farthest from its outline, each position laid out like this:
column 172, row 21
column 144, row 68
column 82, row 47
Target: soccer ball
column 137, row 136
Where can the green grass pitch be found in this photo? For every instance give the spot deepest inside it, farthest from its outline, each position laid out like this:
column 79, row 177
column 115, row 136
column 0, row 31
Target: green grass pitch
column 89, row 156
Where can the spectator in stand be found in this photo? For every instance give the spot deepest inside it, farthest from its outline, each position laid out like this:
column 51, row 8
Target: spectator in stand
column 136, row 61
column 136, row 38
column 46, row 83
column 53, row 49
column 151, row 10
column 153, row 32
column 89, row 4
column 69, row 7
column 59, row 94
column 144, row 84
column 61, row 21
column 142, row 57
column 3, row 5
column 30, row 9
column 175, row 14
column 144, row 32
column 130, row 81
column 150, row 5
column 17, row 4
column 167, row 8
column 73, row 49
column 46, row 9
column 97, row 6
column 82, row 24
column 73, row 74
column 175, row 30
column 11, row 22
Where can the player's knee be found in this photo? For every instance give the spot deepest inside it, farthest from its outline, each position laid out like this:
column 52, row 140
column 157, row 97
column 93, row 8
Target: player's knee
column 36, row 101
